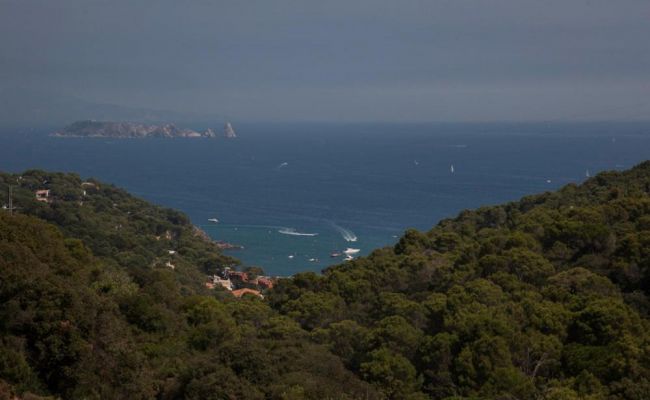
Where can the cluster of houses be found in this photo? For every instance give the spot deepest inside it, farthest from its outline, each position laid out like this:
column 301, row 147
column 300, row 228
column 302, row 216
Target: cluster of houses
column 45, row 196
column 239, row 283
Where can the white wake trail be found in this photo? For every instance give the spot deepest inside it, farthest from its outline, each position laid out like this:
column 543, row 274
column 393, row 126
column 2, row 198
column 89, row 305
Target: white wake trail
column 293, row 232
column 347, row 234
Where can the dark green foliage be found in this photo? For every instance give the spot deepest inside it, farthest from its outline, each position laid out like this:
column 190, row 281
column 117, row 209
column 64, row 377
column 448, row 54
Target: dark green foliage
column 121, row 324
column 543, row 298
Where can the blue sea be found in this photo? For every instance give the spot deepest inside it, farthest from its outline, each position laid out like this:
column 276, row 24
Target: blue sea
column 292, row 194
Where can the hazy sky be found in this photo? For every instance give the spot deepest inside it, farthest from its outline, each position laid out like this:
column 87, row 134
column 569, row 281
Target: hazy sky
column 397, row 60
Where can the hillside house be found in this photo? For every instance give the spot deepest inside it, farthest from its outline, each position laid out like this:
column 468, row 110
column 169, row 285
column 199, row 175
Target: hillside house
column 265, row 282
column 43, row 195
column 241, row 292
column 225, row 283
column 237, row 276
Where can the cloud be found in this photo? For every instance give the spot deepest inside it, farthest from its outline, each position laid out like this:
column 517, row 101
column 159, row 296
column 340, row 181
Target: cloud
column 351, row 60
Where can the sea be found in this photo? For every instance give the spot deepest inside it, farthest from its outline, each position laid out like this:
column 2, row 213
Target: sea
column 293, row 194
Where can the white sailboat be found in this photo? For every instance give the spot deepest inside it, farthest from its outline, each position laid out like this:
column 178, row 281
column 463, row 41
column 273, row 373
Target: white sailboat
column 587, row 174
column 452, row 168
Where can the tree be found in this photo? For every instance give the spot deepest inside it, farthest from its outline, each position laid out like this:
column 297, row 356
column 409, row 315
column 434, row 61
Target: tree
column 394, row 375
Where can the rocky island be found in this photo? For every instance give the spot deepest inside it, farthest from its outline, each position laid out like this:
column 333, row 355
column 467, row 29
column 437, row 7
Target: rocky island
column 107, row 129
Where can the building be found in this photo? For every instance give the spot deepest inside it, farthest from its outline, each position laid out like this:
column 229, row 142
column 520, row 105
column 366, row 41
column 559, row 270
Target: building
column 225, row 283
column 237, row 275
column 89, row 187
column 43, row 195
column 265, row 282
column 242, row 292
column 216, row 280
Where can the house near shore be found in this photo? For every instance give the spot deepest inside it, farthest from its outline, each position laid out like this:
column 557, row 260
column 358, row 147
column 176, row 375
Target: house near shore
column 237, row 276
column 240, row 282
column 241, row 292
column 224, row 282
column 216, row 280
column 264, row 282
column 89, row 187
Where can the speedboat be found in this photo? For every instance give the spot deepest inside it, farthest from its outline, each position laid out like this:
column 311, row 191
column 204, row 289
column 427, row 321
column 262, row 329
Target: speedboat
column 349, row 251
column 216, row 221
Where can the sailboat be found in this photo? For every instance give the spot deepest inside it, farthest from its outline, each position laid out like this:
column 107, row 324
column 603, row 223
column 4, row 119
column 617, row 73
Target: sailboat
column 587, row 174
column 452, row 168
column 229, row 131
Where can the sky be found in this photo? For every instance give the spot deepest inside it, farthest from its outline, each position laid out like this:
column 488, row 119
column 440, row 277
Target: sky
column 339, row 60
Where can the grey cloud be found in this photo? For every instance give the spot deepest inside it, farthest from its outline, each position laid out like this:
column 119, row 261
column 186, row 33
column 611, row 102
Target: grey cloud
column 343, row 60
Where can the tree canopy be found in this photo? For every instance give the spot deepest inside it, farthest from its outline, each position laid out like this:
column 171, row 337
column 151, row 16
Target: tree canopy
column 543, row 298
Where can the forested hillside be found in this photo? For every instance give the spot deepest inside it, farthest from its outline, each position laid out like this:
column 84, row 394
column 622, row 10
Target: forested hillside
column 90, row 309
column 544, row 298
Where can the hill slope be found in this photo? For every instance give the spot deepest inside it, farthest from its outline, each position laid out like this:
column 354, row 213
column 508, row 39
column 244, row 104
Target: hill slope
column 89, row 308
column 544, row 298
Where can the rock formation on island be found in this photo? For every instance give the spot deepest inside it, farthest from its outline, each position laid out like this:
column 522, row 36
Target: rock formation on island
column 229, row 131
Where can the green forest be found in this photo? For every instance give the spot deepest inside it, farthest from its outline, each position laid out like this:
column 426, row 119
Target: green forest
column 542, row 298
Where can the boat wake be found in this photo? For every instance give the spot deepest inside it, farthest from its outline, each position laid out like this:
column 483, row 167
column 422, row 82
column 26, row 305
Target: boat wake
column 293, row 232
column 347, row 234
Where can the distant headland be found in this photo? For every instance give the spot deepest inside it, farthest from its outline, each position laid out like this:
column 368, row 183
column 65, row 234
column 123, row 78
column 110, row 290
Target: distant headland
column 113, row 129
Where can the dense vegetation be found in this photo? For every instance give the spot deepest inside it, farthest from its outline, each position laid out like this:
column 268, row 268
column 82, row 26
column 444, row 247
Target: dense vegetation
column 544, row 298
column 89, row 308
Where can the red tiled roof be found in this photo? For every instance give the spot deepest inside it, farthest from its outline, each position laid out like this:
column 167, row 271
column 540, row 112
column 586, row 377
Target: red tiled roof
column 241, row 292
column 241, row 275
column 266, row 282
